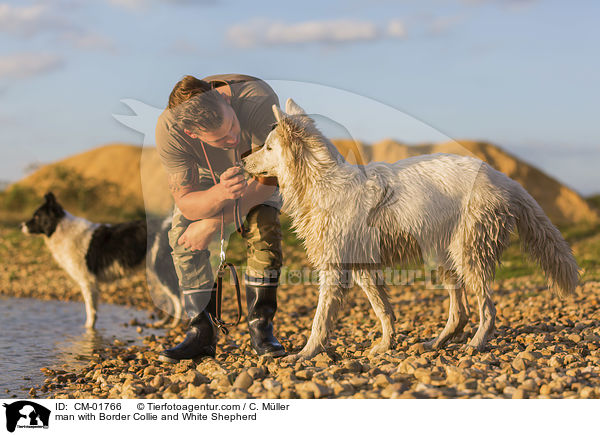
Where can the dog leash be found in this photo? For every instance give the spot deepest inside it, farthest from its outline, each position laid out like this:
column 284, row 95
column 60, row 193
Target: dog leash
column 217, row 320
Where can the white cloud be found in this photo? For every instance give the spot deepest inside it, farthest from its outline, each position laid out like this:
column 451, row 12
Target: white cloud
column 23, row 65
column 25, row 21
column 396, row 28
column 265, row 32
column 28, row 21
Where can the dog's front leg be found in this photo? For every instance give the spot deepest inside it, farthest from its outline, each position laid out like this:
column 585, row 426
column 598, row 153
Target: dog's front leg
column 331, row 296
column 90, row 297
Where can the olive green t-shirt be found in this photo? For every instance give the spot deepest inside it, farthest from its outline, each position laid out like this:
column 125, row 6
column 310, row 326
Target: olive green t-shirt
column 251, row 99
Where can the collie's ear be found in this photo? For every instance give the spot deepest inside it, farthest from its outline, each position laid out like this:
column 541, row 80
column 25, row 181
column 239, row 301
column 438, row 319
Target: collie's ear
column 292, row 108
column 49, row 197
column 279, row 115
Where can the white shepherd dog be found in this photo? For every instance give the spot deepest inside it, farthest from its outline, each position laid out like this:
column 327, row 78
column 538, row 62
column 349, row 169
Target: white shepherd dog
column 455, row 210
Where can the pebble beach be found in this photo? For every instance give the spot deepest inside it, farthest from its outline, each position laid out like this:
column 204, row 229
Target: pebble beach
column 543, row 347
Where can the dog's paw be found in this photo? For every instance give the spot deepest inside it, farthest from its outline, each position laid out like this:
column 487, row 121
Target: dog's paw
column 431, row 344
column 292, row 359
column 379, row 348
column 472, row 348
column 304, row 355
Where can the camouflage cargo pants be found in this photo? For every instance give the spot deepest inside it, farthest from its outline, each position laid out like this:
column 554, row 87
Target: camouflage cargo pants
column 263, row 241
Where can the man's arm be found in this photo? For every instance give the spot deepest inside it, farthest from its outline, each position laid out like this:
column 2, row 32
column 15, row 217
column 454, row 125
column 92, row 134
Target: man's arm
column 198, row 234
column 197, row 204
column 194, row 203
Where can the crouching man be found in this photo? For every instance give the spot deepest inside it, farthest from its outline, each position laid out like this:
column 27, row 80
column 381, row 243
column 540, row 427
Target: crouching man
column 207, row 124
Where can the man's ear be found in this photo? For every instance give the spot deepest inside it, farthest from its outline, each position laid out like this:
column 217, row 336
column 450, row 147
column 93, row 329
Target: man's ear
column 279, row 114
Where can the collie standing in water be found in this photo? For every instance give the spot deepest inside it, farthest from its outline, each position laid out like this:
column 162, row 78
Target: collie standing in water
column 91, row 253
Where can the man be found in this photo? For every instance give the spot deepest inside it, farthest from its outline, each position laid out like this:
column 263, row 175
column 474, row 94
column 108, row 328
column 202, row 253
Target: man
column 204, row 125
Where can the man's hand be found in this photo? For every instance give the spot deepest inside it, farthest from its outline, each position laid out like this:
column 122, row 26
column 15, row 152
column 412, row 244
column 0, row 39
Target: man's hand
column 232, row 183
column 199, row 234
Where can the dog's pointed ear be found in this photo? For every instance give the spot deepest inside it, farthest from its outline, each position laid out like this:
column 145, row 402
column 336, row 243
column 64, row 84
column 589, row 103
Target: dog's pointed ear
column 50, row 198
column 279, row 114
column 292, row 108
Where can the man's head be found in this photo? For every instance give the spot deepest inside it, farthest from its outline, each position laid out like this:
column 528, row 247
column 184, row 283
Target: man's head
column 185, row 89
column 208, row 116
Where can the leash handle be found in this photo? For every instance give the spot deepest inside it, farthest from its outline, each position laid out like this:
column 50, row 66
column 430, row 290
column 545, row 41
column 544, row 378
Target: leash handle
column 217, row 320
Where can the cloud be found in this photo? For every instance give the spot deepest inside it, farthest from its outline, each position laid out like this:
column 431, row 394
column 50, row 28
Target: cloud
column 396, row 28
column 23, row 65
column 340, row 31
column 26, row 21
column 29, row 21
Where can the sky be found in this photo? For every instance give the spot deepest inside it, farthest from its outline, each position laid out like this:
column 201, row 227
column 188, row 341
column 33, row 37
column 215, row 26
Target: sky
column 522, row 74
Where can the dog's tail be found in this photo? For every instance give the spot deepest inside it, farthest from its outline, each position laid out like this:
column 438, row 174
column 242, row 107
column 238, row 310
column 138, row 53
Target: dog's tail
column 542, row 240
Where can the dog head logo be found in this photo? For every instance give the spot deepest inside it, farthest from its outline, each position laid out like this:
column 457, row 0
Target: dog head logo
column 26, row 414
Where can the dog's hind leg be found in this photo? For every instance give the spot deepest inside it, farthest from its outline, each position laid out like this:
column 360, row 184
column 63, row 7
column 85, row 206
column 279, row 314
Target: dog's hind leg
column 376, row 292
column 331, row 295
column 487, row 320
column 458, row 313
column 458, row 317
column 90, row 297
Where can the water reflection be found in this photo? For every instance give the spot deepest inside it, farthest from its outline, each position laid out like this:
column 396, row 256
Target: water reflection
column 51, row 334
column 77, row 348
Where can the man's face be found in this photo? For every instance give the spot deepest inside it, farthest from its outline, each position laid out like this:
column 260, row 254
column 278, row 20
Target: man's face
column 225, row 137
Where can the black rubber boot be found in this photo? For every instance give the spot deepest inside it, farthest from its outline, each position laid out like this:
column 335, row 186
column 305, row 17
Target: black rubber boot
column 201, row 338
column 262, row 305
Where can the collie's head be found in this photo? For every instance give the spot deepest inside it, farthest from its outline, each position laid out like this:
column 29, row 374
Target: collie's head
column 46, row 218
column 294, row 145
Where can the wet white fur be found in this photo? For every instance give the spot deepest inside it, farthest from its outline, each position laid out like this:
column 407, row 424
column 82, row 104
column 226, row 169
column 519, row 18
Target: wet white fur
column 455, row 211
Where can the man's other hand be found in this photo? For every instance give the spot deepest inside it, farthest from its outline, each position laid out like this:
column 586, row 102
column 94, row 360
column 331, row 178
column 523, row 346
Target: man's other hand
column 199, row 234
column 233, row 183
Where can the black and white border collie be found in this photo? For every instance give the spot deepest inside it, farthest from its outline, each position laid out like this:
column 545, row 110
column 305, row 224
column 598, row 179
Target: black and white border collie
column 91, row 253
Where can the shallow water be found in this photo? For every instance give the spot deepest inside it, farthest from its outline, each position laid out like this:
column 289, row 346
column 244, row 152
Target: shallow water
column 36, row 334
